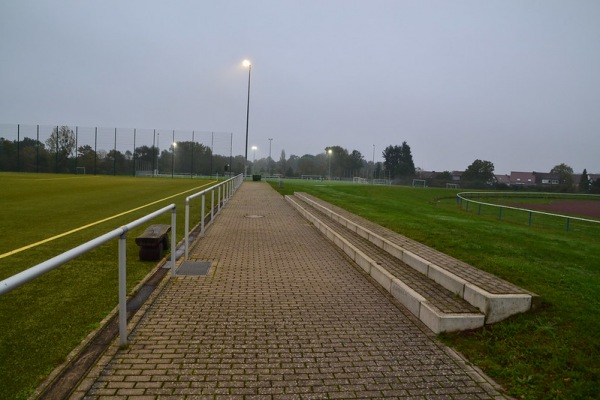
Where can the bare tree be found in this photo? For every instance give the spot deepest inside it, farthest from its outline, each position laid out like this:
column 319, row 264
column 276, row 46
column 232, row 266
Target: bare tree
column 61, row 141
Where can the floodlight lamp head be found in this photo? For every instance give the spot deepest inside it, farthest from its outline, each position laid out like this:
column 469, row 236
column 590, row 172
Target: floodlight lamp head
column 246, row 63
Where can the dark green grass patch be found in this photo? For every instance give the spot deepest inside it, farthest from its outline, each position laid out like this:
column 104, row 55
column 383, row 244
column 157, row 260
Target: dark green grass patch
column 42, row 321
column 549, row 353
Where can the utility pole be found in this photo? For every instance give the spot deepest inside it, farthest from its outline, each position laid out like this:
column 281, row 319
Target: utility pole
column 270, row 160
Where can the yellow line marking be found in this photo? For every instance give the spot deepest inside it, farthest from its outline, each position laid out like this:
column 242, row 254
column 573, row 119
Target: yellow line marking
column 10, row 253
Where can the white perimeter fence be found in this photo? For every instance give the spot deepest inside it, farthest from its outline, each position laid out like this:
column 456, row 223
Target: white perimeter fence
column 468, row 198
column 225, row 191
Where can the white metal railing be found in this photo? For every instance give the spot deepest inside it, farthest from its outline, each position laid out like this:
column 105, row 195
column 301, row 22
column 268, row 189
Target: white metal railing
column 23, row 277
column 225, row 191
column 464, row 196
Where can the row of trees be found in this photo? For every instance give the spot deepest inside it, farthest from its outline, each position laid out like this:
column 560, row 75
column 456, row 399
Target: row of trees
column 60, row 154
column 337, row 162
column 480, row 174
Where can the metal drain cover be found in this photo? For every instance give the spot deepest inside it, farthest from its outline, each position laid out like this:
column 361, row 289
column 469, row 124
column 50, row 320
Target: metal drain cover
column 255, row 216
column 193, row 268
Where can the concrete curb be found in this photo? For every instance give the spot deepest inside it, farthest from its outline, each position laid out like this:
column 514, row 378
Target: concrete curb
column 430, row 315
column 496, row 307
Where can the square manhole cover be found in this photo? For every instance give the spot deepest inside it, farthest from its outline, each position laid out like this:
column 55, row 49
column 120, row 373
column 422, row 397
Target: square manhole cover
column 193, row 268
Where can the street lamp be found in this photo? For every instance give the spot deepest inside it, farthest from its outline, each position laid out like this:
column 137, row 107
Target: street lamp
column 247, row 64
column 270, row 161
column 330, row 152
column 173, row 161
column 253, row 157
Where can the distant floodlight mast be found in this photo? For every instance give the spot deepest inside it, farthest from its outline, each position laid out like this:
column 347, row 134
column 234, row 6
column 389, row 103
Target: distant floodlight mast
column 330, row 152
column 247, row 64
column 173, row 161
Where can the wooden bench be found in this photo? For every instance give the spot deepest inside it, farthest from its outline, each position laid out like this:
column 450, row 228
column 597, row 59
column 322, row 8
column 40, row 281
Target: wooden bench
column 153, row 242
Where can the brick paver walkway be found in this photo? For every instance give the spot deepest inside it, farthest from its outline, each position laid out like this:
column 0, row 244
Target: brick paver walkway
column 282, row 314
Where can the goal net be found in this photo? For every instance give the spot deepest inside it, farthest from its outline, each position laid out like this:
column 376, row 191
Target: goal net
column 312, row 177
column 381, row 182
column 452, row 186
column 419, row 183
column 80, row 170
column 357, row 179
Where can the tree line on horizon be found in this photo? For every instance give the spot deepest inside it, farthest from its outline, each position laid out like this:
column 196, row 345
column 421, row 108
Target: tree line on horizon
column 60, row 154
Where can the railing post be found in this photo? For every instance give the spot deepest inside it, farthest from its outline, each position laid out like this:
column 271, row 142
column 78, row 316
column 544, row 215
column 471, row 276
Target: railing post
column 187, row 226
column 173, row 239
column 212, row 205
column 202, row 214
column 123, row 290
column 219, row 199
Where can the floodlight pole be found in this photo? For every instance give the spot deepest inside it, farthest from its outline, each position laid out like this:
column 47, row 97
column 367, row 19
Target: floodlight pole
column 173, row 160
column 270, row 170
column 247, row 63
column 253, row 158
column 329, row 152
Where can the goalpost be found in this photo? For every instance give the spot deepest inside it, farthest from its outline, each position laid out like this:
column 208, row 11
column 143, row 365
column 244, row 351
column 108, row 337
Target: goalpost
column 80, row 170
column 357, row 179
column 312, row 177
column 381, row 182
column 419, row 183
column 452, row 186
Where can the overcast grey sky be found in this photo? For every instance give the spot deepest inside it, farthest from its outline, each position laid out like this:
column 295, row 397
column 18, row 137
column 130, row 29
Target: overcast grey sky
column 516, row 83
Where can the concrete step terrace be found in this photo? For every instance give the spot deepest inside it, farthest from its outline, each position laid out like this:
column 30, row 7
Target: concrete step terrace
column 494, row 297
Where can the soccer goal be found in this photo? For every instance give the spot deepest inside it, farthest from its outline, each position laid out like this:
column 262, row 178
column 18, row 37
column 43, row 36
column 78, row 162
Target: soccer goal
column 312, row 177
column 419, row 183
column 80, row 170
column 381, row 182
column 452, row 186
column 357, row 179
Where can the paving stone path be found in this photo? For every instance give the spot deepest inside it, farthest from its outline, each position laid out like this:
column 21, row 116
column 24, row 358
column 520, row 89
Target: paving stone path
column 281, row 314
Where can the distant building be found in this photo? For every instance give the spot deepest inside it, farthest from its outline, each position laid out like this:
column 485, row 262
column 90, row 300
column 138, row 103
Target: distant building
column 544, row 179
column 522, row 178
column 503, row 179
column 456, row 175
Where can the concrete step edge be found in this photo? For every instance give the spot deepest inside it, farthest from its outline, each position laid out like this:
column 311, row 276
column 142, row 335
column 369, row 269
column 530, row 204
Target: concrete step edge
column 422, row 308
column 495, row 306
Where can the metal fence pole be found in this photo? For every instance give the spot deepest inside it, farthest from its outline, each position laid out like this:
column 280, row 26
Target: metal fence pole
column 187, row 226
column 219, row 199
column 173, row 239
column 123, row 290
column 202, row 214
column 212, row 204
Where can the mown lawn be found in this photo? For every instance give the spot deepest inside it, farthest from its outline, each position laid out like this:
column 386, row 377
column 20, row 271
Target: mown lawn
column 552, row 352
column 42, row 321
